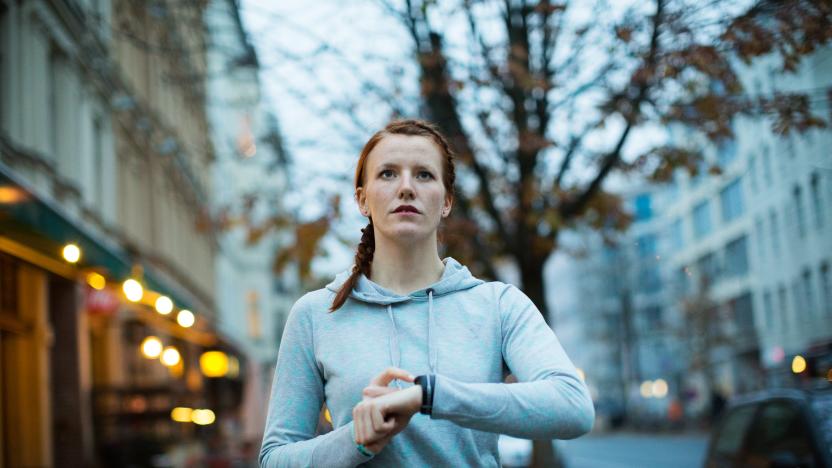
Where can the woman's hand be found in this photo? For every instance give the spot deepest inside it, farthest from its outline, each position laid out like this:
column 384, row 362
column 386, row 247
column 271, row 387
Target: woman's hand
column 385, row 411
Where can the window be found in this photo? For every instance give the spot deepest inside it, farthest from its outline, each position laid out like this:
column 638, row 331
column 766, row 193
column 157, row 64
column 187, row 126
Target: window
column 817, row 204
column 800, row 220
column 808, row 292
column 826, row 288
column 702, row 219
column 726, row 151
column 682, row 282
column 53, row 100
column 797, row 298
column 760, row 235
column 653, row 317
column 4, row 68
column 784, row 307
column 676, row 235
column 767, row 166
column 649, row 281
column 643, row 206
column 701, row 170
column 780, row 427
column 731, row 201
column 646, row 245
column 732, row 431
column 98, row 164
column 775, row 232
column 708, row 267
column 743, row 312
column 768, row 310
column 752, row 173
column 736, row 257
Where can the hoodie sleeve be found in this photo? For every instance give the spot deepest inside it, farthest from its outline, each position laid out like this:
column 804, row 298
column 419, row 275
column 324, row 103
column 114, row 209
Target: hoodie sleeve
column 296, row 400
column 549, row 401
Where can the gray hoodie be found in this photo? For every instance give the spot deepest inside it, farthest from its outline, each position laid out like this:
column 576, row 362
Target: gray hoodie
column 469, row 333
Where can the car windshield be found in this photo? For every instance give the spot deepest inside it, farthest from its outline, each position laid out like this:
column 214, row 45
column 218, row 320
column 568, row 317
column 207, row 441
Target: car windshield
column 822, row 409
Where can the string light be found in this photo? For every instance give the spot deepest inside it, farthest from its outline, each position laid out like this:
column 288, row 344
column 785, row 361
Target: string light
column 151, row 347
column 203, row 417
column 96, row 281
column 164, row 305
column 185, row 318
column 181, row 414
column 71, row 253
column 170, row 356
column 133, row 290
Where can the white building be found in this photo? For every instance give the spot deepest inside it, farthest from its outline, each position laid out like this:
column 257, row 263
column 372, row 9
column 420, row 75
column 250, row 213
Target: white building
column 760, row 232
column 249, row 179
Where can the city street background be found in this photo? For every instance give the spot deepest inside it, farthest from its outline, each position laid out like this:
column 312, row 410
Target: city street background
column 655, row 176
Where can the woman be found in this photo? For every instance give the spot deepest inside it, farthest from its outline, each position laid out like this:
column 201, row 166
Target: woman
column 402, row 312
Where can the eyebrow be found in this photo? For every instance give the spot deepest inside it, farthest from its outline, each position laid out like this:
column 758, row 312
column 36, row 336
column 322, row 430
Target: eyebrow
column 396, row 166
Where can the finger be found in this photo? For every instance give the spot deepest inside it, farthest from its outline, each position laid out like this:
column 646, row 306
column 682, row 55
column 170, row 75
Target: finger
column 363, row 427
column 374, row 391
column 357, row 424
column 370, row 434
column 365, row 423
column 378, row 421
column 384, row 379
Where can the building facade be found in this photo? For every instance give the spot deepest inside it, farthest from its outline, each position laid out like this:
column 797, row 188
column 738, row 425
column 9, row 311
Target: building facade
column 105, row 160
column 249, row 176
column 723, row 277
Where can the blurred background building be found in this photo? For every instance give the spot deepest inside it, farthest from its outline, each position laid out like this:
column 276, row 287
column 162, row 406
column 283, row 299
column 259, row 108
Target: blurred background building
column 249, row 179
column 722, row 279
column 115, row 336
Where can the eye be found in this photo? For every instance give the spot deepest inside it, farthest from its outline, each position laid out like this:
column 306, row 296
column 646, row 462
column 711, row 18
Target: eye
column 425, row 175
column 385, row 173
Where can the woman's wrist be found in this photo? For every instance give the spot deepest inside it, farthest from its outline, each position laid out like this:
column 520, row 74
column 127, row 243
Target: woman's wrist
column 426, row 382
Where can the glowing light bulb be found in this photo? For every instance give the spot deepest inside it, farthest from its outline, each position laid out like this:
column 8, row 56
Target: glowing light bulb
column 185, row 318
column 164, row 305
column 133, row 290
column 96, row 281
column 71, row 253
column 170, row 356
column 151, row 347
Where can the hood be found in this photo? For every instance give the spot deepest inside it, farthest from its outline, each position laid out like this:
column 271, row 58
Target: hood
column 456, row 277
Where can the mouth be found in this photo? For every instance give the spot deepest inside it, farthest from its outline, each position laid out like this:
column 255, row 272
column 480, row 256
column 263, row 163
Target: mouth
column 406, row 209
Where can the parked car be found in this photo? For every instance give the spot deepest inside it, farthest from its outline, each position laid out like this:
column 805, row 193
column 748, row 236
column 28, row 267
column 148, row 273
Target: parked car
column 776, row 429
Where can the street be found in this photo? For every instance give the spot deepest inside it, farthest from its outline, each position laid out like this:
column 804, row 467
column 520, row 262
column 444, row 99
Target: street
column 635, row 450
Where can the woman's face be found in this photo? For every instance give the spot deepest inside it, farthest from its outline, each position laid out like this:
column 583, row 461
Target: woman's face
column 404, row 170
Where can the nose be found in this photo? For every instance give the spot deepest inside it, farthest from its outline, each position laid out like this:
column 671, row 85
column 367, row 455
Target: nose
column 406, row 187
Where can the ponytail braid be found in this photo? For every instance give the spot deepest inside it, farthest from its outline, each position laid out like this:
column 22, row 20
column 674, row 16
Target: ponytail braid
column 363, row 264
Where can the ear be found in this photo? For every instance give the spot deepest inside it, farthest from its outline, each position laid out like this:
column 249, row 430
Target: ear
column 361, row 199
column 446, row 207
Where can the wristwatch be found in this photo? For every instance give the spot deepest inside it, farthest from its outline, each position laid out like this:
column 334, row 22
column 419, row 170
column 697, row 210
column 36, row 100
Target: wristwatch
column 428, row 383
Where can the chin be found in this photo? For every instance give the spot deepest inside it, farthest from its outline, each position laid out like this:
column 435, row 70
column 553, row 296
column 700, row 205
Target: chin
column 408, row 233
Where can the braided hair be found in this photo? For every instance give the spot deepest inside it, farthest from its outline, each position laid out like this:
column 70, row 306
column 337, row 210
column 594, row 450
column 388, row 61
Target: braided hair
column 364, row 254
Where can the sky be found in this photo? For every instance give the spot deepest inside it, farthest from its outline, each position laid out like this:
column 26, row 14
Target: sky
column 308, row 54
column 314, row 60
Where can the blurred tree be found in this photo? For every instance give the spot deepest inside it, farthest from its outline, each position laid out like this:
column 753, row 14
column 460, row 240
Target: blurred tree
column 703, row 331
column 517, row 110
column 535, row 89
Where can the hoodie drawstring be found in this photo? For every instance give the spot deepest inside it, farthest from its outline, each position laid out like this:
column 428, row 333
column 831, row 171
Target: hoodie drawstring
column 396, row 357
column 433, row 353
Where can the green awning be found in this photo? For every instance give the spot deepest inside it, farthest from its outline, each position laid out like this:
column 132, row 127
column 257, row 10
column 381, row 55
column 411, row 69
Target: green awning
column 37, row 224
